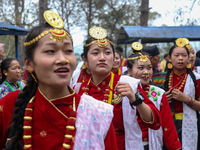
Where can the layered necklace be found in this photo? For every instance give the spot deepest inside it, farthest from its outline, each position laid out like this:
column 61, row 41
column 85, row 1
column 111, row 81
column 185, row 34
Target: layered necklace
column 27, row 134
column 178, row 86
column 109, row 97
column 12, row 89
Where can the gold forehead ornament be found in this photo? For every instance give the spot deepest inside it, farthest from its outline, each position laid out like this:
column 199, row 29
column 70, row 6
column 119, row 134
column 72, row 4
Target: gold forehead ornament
column 143, row 58
column 99, row 34
column 57, row 34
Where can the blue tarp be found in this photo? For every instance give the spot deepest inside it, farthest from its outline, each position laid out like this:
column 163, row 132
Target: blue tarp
column 129, row 34
column 7, row 29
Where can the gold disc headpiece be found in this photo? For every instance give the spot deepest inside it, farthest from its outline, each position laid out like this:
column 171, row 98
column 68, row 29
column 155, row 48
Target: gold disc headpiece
column 189, row 47
column 181, row 42
column 57, row 34
column 137, row 46
column 99, row 34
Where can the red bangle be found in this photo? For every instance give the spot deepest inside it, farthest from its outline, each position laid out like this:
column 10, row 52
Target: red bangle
column 191, row 102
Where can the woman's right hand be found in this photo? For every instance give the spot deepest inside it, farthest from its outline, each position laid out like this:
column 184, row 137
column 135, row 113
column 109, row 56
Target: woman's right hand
column 169, row 96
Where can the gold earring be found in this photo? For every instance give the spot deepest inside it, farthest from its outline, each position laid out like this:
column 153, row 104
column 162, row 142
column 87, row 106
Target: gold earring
column 188, row 66
column 31, row 72
column 5, row 74
column 68, row 61
column 84, row 66
column 169, row 65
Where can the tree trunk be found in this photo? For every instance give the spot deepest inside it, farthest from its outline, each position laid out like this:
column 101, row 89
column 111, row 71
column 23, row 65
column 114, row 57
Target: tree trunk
column 42, row 8
column 144, row 13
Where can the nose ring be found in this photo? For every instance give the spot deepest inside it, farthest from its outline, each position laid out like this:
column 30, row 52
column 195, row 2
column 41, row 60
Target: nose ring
column 67, row 61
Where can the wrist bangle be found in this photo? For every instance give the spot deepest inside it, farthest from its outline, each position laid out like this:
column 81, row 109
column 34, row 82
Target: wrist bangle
column 191, row 102
column 188, row 100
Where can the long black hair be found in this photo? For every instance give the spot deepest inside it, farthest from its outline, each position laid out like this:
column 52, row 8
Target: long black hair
column 189, row 70
column 5, row 65
column 29, row 90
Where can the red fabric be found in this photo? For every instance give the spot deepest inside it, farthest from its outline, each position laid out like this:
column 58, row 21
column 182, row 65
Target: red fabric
column 84, row 76
column 178, row 106
column 47, row 118
column 98, row 91
column 25, row 75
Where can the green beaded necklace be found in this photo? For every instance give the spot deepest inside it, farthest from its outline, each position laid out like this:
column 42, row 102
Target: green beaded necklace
column 8, row 84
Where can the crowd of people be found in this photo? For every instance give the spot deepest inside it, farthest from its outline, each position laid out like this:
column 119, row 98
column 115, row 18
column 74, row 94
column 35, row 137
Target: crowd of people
column 105, row 102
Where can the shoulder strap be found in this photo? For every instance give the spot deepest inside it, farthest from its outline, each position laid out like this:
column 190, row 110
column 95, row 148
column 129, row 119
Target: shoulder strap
column 77, row 87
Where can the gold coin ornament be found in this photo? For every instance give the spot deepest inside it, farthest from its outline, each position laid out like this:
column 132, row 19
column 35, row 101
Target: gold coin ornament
column 189, row 47
column 180, row 42
column 137, row 46
column 53, row 19
column 186, row 40
column 98, row 33
column 116, row 98
column 57, row 34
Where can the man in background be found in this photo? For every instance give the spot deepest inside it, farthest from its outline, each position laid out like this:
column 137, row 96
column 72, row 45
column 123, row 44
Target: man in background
column 154, row 55
column 163, row 63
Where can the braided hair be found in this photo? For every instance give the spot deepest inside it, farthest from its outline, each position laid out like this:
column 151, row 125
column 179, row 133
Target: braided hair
column 189, row 70
column 29, row 90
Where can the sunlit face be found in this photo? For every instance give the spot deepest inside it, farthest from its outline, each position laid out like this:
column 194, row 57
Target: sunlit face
column 179, row 58
column 50, row 62
column 142, row 70
column 100, row 59
column 192, row 56
column 13, row 72
column 117, row 61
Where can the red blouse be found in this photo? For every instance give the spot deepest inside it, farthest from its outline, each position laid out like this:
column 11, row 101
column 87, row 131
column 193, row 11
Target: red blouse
column 49, row 121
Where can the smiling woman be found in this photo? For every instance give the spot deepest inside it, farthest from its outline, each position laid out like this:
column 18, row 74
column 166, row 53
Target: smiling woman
column 47, row 113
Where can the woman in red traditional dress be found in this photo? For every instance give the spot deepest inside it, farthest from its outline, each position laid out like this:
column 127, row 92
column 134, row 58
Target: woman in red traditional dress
column 116, row 69
column 47, row 114
column 123, row 92
column 140, row 67
column 183, row 93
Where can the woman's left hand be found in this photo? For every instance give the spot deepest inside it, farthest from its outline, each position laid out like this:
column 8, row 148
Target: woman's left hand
column 125, row 90
column 178, row 95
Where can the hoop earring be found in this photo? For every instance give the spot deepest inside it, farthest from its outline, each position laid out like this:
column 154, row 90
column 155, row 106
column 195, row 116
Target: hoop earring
column 68, row 61
column 31, row 72
column 169, row 65
column 188, row 66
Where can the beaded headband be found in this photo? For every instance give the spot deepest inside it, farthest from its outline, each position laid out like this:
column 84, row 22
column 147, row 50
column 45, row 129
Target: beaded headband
column 57, row 34
column 99, row 34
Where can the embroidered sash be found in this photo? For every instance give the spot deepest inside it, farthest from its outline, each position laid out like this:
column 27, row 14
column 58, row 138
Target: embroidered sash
column 133, row 133
column 92, row 123
column 156, row 136
column 189, row 123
